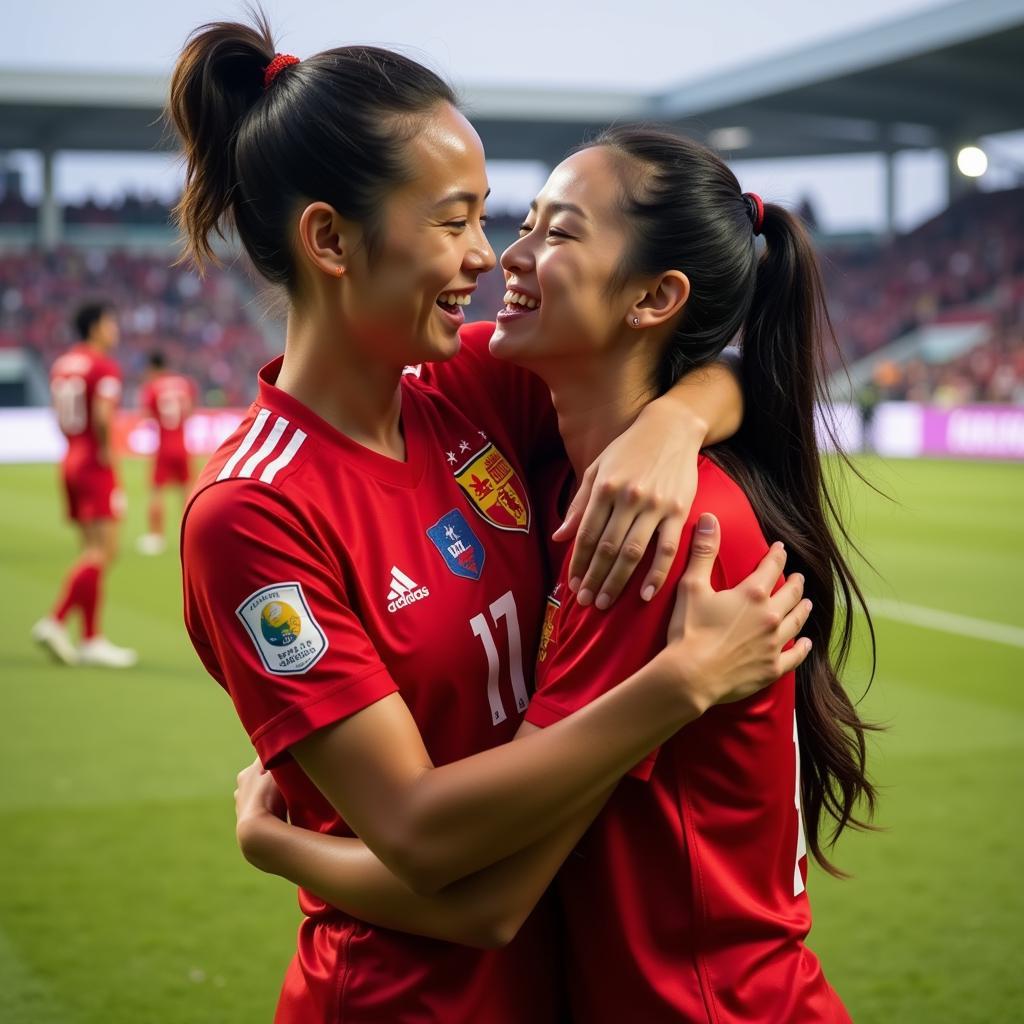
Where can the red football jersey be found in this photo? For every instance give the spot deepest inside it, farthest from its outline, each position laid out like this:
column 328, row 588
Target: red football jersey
column 685, row 900
column 321, row 576
column 169, row 398
column 77, row 378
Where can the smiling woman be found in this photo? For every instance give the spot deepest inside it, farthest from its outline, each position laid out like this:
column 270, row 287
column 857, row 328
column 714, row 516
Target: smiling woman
column 362, row 559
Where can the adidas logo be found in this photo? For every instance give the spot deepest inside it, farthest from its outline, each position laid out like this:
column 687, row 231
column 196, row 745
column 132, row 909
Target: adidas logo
column 404, row 591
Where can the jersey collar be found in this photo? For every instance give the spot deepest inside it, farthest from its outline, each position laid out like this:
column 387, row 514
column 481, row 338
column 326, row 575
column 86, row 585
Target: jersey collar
column 392, row 471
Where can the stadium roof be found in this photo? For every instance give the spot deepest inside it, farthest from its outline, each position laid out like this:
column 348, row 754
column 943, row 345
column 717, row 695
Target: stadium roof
column 935, row 78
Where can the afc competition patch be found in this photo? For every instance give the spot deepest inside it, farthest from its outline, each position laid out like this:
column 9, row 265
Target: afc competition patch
column 459, row 545
column 280, row 624
column 494, row 488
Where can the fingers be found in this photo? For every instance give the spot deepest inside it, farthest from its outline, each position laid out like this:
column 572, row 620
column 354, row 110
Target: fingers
column 761, row 582
column 669, row 533
column 788, row 596
column 605, row 553
column 632, row 550
column 703, row 552
column 589, row 536
column 795, row 621
column 790, row 660
column 579, row 503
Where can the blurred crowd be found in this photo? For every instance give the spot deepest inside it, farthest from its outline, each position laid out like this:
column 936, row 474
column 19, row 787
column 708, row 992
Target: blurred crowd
column 205, row 326
column 968, row 262
column 128, row 209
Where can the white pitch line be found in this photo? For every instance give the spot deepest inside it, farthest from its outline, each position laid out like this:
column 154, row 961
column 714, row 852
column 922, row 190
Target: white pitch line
column 946, row 622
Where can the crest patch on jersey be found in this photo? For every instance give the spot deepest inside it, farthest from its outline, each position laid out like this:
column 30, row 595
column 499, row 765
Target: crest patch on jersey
column 287, row 636
column 494, row 488
column 459, row 545
column 548, row 628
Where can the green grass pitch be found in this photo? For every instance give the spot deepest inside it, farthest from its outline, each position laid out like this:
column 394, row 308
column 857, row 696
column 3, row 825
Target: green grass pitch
column 123, row 898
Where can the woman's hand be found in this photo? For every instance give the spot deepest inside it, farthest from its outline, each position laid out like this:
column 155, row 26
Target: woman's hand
column 643, row 483
column 731, row 643
column 257, row 799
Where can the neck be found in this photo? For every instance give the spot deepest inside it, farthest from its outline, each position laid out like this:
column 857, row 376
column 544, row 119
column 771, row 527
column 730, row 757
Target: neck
column 597, row 399
column 357, row 396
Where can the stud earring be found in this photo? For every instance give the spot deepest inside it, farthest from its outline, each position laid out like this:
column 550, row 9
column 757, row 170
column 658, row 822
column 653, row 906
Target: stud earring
column 340, row 271
column 636, row 321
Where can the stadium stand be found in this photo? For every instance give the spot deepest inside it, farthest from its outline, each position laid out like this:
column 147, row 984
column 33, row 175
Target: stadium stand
column 207, row 326
column 965, row 264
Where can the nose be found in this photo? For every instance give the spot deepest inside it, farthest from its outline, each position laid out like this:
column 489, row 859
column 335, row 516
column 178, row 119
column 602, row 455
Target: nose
column 518, row 256
column 480, row 256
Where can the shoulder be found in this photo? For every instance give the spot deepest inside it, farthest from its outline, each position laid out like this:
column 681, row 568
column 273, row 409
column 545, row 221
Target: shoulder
column 104, row 366
column 262, row 457
column 743, row 543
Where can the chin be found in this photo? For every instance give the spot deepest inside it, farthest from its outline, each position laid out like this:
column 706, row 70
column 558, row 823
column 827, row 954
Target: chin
column 512, row 346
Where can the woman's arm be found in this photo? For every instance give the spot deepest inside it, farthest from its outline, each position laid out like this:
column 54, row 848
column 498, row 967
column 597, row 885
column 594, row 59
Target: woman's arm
column 484, row 910
column 435, row 825
column 644, row 483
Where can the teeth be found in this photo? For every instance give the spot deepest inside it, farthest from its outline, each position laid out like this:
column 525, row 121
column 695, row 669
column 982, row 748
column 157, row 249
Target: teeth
column 450, row 299
column 515, row 298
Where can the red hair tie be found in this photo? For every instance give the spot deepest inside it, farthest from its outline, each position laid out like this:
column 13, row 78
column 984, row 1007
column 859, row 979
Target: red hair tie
column 280, row 61
column 755, row 210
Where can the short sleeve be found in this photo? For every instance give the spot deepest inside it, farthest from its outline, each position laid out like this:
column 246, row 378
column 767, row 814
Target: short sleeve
column 270, row 618
column 494, row 390
column 586, row 655
column 590, row 652
column 109, row 387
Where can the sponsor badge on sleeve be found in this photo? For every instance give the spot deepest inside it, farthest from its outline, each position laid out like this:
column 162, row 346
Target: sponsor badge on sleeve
column 287, row 636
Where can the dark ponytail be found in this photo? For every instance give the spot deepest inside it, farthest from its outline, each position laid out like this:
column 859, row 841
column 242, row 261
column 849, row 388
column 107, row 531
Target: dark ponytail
column 688, row 214
column 332, row 128
column 775, row 457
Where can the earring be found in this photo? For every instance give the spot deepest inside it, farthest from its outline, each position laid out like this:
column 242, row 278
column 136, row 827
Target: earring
column 340, row 271
column 636, row 321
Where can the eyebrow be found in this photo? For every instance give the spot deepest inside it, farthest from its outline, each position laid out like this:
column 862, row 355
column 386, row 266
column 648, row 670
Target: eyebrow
column 562, row 208
column 461, row 197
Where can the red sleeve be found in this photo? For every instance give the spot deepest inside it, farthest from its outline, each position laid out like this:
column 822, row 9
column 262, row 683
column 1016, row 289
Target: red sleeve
column 590, row 652
column 108, row 380
column 271, row 620
column 146, row 399
column 491, row 389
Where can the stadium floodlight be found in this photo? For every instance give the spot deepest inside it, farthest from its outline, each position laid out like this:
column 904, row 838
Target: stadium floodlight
column 972, row 162
column 727, row 139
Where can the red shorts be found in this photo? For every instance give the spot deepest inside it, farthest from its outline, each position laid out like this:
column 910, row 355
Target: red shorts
column 92, row 492
column 171, row 468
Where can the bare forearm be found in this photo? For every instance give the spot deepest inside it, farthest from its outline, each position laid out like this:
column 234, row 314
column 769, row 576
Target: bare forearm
column 710, row 398
column 465, row 816
column 486, row 909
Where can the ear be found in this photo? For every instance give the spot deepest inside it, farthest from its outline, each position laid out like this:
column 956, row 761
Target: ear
column 664, row 299
column 325, row 238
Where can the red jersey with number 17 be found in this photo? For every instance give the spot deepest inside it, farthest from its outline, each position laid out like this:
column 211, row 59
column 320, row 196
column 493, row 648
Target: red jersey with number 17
column 685, row 900
column 319, row 578
column 169, row 398
column 77, row 379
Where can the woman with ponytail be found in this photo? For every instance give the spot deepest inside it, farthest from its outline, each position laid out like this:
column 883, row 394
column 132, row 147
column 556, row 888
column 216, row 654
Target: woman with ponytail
column 362, row 563
column 686, row 899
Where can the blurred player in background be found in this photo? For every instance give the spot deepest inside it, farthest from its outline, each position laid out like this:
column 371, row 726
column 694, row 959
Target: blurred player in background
column 85, row 384
column 169, row 398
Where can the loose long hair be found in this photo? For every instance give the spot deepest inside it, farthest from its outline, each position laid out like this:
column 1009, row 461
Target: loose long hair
column 332, row 128
column 688, row 213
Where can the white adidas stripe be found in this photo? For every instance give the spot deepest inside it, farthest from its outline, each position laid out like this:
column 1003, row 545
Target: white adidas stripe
column 273, row 468
column 398, row 576
column 265, row 449
column 247, row 442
